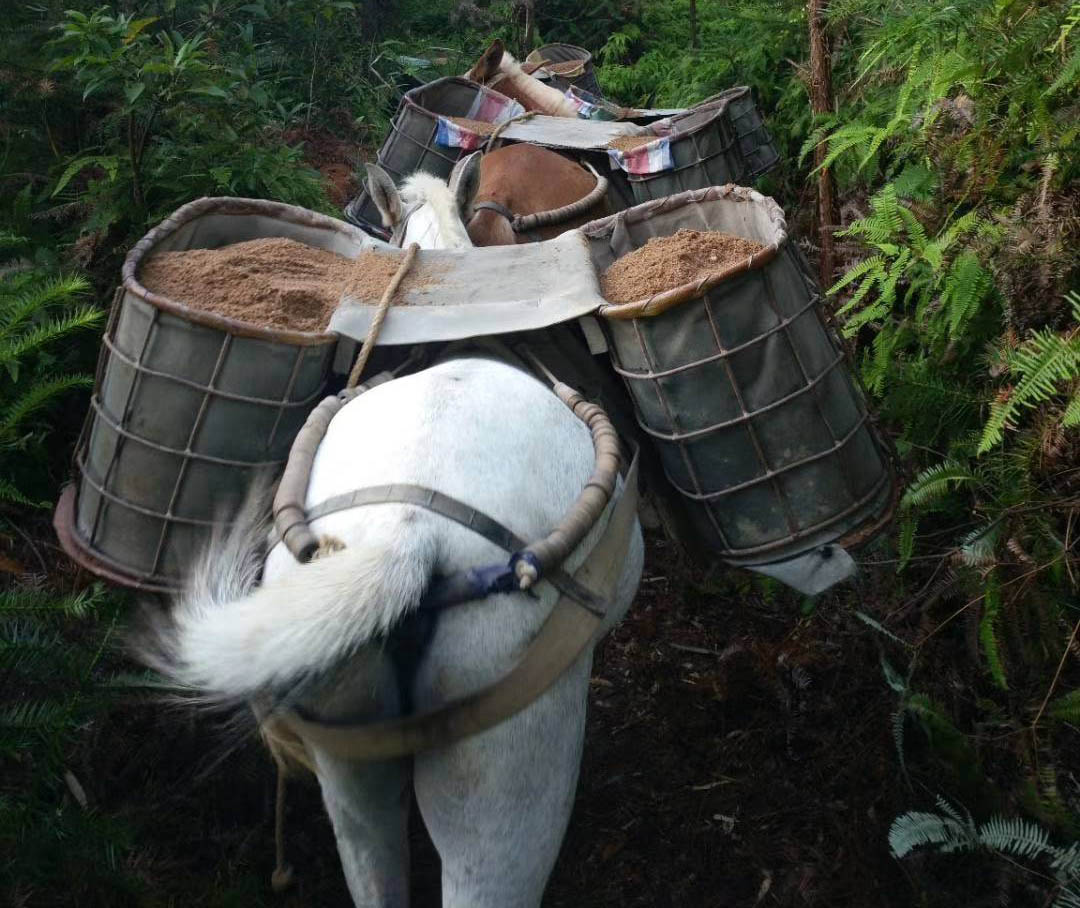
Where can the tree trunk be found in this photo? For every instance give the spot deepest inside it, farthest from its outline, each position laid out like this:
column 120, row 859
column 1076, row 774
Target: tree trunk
column 821, row 102
column 693, row 24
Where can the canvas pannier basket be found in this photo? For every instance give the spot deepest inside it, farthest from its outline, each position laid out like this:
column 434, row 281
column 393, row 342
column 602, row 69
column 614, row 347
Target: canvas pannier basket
column 412, row 144
column 745, row 391
column 566, row 65
column 721, row 140
column 188, row 405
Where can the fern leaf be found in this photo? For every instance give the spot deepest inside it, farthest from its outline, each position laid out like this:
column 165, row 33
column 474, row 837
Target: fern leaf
column 1068, row 897
column 966, row 285
column 853, row 136
column 1045, row 361
column 875, row 263
column 12, row 495
column 978, row 548
column 906, row 540
column 1015, row 836
column 988, row 632
column 27, row 600
column 34, row 715
column 933, row 483
column 917, row 828
column 18, row 305
column 1066, row 708
column 109, row 163
column 37, row 397
column 880, row 628
column 47, row 333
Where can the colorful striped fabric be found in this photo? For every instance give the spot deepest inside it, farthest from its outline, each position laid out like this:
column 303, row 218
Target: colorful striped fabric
column 652, row 157
column 590, row 107
column 487, row 108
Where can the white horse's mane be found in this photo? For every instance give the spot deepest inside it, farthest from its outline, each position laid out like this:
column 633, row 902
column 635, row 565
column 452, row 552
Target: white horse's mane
column 422, row 187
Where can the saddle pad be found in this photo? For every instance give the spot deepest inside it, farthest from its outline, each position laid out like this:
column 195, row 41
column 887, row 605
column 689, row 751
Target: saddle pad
column 461, row 293
column 567, row 132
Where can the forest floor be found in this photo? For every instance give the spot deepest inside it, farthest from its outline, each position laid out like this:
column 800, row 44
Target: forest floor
column 739, row 752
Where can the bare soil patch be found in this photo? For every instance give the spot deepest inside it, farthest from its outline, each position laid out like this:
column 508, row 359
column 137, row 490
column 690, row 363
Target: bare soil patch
column 666, row 262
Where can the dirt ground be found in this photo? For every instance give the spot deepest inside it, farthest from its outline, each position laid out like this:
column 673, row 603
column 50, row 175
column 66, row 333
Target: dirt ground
column 739, row 752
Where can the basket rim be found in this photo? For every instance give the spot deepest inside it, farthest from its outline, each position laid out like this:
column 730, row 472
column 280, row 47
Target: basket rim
column 674, row 296
column 79, row 551
column 230, row 205
column 410, row 97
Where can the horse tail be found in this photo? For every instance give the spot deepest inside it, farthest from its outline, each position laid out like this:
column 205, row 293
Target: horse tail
column 231, row 639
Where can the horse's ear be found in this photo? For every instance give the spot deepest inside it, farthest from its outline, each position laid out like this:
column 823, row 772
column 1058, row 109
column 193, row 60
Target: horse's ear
column 384, row 194
column 464, row 184
column 489, row 63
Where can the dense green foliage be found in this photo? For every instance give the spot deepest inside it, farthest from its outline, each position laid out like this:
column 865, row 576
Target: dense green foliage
column 954, row 147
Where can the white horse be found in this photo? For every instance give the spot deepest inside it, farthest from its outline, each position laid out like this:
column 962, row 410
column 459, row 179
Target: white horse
column 497, row 804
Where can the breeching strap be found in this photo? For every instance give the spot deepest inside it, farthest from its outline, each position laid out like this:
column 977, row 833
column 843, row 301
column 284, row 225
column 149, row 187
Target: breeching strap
column 567, row 631
column 523, row 223
column 380, row 316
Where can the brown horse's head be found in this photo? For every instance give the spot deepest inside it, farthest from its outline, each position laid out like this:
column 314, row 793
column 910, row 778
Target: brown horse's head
column 488, row 66
column 523, row 180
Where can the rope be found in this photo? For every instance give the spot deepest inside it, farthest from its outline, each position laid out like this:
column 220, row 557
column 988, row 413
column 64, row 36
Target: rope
column 520, row 118
column 380, row 316
column 282, row 877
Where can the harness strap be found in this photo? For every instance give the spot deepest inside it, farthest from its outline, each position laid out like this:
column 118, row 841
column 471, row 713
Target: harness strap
column 499, row 208
column 461, row 586
column 565, row 634
column 524, row 223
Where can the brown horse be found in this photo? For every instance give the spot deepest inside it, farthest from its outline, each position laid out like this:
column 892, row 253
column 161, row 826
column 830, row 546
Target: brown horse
column 513, row 181
column 522, row 180
column 498, row 70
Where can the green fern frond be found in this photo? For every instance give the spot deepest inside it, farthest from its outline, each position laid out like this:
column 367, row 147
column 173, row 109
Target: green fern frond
column 914, row 829
column 874, row 263
column 852, row 137
column 35, row 715
column 978, row 548
column 1044, row 362
column 934, row 482
column 1066, row 708
column 35, row 399
column 966, row 286
column 11, row 495
column 1015, row 836
column 49, row 332
column 906, row 539
column 27, row 600
column 988, row 634
column 18, row 305
column 1069, row 76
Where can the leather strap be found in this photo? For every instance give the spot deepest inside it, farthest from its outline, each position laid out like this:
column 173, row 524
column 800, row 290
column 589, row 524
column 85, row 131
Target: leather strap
column 461, row 513
column 498, row 208
column 568, row 630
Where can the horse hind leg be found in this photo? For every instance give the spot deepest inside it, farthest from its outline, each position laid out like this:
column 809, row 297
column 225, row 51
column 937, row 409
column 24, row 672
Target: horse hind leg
column 368, row 803
column 497, row 805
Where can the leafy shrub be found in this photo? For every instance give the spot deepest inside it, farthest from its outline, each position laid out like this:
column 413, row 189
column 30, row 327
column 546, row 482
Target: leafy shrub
column 181, row 119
